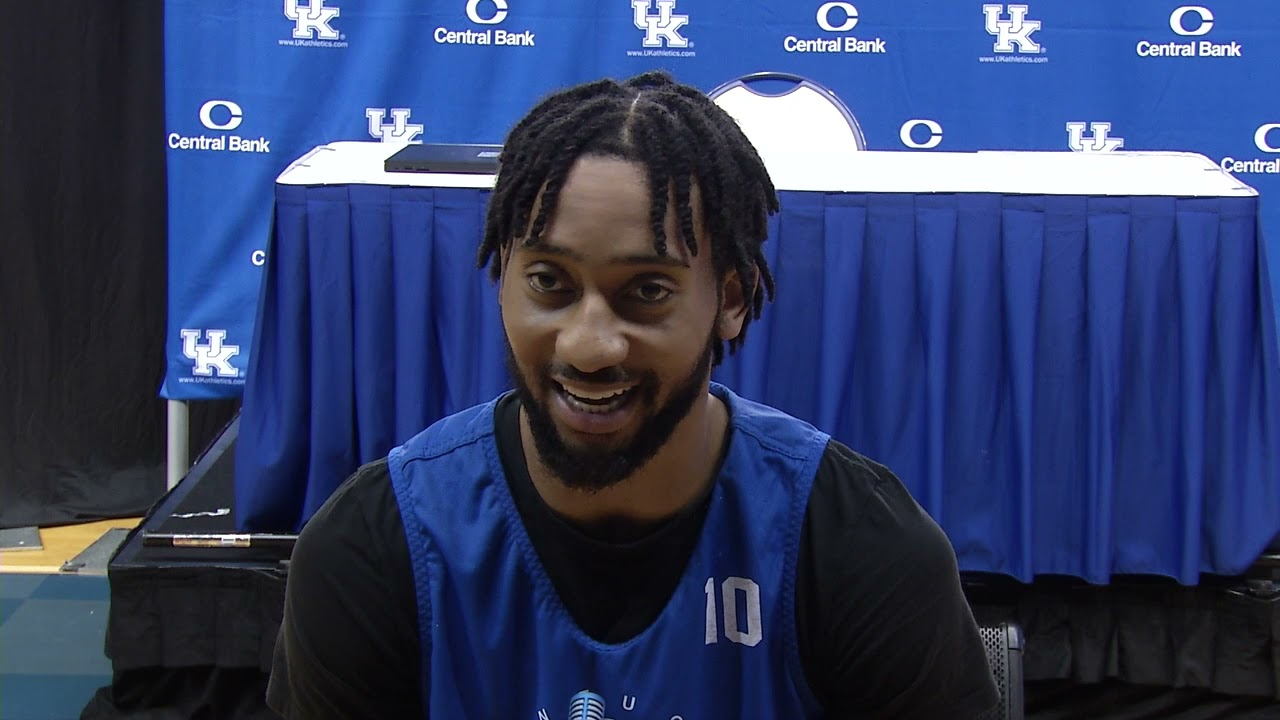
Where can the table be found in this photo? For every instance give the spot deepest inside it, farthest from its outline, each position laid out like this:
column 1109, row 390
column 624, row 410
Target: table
column 1070, row 359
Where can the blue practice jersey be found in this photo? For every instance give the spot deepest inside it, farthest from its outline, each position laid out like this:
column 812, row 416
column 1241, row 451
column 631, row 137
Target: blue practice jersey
column 498, row 643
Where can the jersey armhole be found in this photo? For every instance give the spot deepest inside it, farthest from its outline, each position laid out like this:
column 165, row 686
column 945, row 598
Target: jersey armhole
column 421, row 575
column 804, row 480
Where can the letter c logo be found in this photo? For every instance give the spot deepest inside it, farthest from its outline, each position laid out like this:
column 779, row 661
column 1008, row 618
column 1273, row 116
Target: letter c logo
column 850, row 17
column 206, row 115
column 473, row 12
column 935, row 134
column 1178, row 25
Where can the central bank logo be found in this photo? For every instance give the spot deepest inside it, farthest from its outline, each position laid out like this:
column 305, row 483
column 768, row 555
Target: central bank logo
column 1098, row 139
column 835, row 17
column 1267, row 139
column 213, row 357
column 921, row 134
column 1189, row 21
column 1179, row 24
column 1263, row 138
column 221, row 117
column 484, row 13
column 224, row 108
column 398, row 130
column 313, row 24
column 1011, row 27
column 828, row 11
column 661, row 28
column 497, row 15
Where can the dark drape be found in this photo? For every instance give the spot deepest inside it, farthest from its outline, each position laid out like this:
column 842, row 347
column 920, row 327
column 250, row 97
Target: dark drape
column 82, row 262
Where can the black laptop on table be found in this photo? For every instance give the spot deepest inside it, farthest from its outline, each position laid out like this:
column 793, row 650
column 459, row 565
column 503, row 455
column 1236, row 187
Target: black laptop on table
column 445, row 158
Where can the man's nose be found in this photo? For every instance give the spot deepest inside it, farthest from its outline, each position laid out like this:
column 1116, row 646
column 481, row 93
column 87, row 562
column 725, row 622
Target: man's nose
column 592, row 338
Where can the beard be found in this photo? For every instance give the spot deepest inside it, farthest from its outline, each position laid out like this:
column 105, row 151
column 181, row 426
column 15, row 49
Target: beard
column 592, row 469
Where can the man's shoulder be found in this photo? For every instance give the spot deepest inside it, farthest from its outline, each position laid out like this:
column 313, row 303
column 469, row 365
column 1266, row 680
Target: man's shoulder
column 771, row 429
column 854, row 494
column 847, row 472
column 359, row 505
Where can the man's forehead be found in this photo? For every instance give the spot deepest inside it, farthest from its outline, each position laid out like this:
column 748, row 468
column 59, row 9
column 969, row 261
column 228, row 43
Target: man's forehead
column 548, row 246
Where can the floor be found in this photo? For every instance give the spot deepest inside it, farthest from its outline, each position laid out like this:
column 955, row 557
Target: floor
column 52, row 627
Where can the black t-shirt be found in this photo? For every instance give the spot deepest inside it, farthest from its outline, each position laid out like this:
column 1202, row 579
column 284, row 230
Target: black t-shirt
column 884, row 629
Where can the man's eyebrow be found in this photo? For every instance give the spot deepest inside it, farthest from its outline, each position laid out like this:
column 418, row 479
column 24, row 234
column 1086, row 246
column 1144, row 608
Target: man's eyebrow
column 644, row 259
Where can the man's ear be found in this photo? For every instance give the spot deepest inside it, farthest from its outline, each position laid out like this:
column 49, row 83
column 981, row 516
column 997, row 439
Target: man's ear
column 733, row 305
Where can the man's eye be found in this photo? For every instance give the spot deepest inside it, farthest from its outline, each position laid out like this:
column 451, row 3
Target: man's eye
column 652, row 292
column 544, row 282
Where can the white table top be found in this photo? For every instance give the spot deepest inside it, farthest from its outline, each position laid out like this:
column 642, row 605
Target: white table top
column 1175, row 174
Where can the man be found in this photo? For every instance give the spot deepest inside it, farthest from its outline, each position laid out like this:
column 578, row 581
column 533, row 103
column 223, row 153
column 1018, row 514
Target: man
column 618, row 537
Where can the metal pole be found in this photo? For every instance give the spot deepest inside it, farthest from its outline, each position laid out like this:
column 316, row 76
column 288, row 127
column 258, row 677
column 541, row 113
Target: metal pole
column 179, row 442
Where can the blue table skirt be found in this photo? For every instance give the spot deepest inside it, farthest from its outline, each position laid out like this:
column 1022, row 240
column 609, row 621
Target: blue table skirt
column 1084, row 386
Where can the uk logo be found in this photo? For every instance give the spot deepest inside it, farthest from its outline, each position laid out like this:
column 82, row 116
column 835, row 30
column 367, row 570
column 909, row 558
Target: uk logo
column 1098, row 140
column 662, row 29
column 1013, row 30
column 399, row 130
column 211, row 357
column 311, row 22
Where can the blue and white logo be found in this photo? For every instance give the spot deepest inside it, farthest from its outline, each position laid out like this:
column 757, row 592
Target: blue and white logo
column 1267, row 139
column 1189, row 21
column 491, row 17
column 220, row 116
column 227, row 109
column 211, row 358
column 1012, row 29
column 661, row 26
column 586, row 705
column 921, row 134
column 840, row 18
column 1098, row 139
column 482, row 14
column 398, row 130
column 313, row 24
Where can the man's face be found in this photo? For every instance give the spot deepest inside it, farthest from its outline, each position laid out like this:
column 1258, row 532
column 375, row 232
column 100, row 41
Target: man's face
column 609, row 343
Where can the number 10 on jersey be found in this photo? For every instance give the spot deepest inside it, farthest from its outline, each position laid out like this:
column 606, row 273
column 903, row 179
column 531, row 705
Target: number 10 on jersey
column 733, row 624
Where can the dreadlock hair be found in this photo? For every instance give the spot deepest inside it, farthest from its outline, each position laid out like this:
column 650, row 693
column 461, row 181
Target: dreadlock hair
column 679, row 135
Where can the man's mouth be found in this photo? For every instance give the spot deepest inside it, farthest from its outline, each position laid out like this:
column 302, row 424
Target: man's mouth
column 595, row 400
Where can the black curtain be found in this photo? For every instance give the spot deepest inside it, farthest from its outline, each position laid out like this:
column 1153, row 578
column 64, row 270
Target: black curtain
column 82, row 263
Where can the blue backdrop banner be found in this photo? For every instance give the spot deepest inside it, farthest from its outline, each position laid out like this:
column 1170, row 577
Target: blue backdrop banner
column 252, row 86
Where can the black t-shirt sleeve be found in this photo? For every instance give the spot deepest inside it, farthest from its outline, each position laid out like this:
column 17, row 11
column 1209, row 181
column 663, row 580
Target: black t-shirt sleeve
column 884, row 628
column 348, row 643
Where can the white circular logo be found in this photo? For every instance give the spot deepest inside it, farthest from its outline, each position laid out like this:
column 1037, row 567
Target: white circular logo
column 1179, row 26
column 473, row 12
column 850, row 16
column 935, row 134
column 1260, row 138
column 233, row 122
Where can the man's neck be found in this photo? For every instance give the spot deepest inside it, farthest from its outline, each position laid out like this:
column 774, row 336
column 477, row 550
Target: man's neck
column 673, row 479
